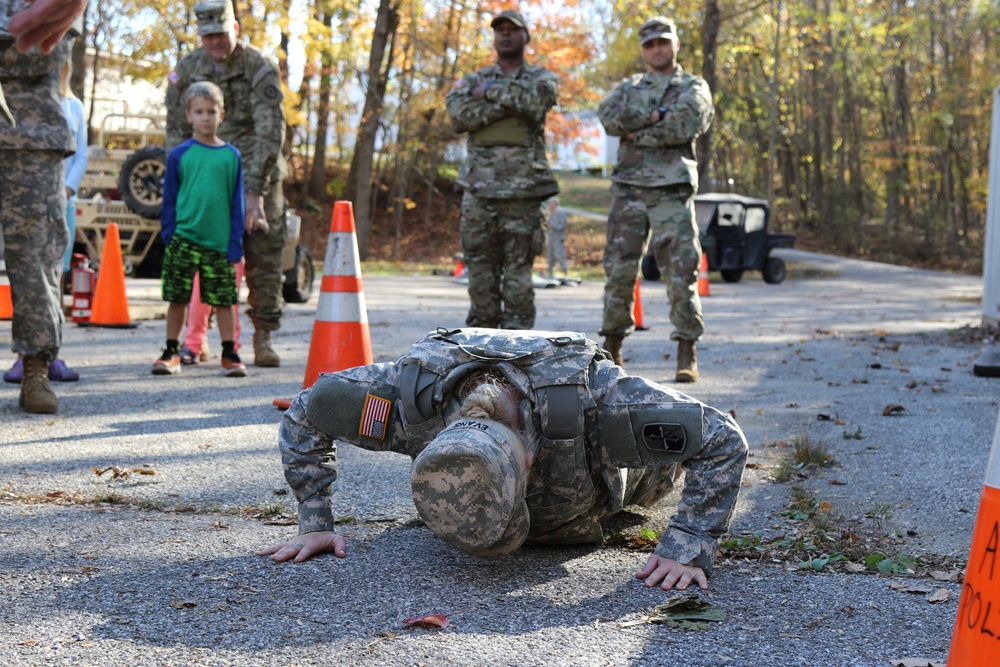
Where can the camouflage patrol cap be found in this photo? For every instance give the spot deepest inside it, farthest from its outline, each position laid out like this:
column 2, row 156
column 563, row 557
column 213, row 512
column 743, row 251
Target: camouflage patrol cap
column 656, row 28
column 514, row 17
column 467, row 488
column 214, row 16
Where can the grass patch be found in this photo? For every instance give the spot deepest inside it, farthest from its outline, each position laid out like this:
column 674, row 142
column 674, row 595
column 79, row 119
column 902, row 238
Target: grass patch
column 805, row 455
column 590, row 193
column 820, row 540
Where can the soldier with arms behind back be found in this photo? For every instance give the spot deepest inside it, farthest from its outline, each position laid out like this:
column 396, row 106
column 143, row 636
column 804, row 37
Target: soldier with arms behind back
column 657, row 116
column 506, row 176
column 255, row 124
column 519, row 437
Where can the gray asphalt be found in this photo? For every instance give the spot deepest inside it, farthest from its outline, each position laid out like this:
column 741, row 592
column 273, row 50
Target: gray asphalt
column 166, row 573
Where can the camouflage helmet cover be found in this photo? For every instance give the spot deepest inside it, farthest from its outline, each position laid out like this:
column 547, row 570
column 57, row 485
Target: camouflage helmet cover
column 214, row 16
column 467, row 487
column 656, row 28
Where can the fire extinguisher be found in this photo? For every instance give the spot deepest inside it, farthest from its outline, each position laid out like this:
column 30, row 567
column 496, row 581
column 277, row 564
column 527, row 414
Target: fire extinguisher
column 84, row 279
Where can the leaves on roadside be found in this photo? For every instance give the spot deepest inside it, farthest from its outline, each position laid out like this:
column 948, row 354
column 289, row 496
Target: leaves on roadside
column 909, row 588
column 682, row 613
column 429, row 622
column 915, row 662
column 184, row 604
column 954, row 575
column 940, row 595
column 892, row 409
column 116, row 472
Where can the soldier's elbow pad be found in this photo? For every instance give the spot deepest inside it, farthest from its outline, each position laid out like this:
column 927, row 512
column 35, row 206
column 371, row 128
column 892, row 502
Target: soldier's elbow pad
column 650, row 435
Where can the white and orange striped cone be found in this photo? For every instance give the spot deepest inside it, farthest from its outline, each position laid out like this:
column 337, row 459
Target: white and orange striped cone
column 703, row 284
column 975, row 641
column 637, row 308
column 340, row 337
column 6, row 302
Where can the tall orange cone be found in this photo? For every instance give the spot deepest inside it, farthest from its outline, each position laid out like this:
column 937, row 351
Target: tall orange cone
column 975, row 641
column 459, row 267
column 340, row 336
column 110, row 305
column 703, row 288
column 637, row 308
column 6, row 302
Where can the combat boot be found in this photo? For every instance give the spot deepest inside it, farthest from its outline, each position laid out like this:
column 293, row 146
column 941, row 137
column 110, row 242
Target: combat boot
column 613, row 344
column 687, row 361
column 263, row 353
column 36, row 395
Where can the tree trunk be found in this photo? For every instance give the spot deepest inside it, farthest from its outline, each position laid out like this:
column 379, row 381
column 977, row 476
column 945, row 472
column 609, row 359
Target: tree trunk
column 359, row 182
column 317, row 179
column 709, row 45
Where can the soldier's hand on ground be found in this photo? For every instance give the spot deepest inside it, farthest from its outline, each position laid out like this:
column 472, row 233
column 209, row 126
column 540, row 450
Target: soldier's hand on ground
column 307, row 545
column 671, row 573
column 255, row 212
column 44, row 23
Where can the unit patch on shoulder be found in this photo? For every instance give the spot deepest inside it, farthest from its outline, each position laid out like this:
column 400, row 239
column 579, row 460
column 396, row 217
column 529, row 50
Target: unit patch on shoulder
column 375, row 417
column 173, row 77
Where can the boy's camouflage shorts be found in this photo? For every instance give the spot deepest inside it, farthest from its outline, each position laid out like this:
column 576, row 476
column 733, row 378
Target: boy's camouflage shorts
column 183, row 259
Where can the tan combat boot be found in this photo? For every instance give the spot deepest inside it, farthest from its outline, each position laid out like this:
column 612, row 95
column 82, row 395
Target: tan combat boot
column 36, row 395
column 687, row 361
column 613, row 344
column 263, row 353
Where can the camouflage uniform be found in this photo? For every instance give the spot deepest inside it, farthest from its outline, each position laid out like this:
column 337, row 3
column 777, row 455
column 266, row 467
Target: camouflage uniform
column 605, row 439
column 33, row 202
column 255, row 124
column 654, row 180
column 506, row 176
column 558, row 223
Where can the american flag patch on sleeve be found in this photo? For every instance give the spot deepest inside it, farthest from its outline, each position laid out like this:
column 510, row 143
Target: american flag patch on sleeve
column 375, row 417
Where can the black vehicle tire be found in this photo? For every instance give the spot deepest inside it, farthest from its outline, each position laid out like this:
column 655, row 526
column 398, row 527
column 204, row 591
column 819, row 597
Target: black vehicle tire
column 299, row 278
column 140, row 181
column 732, row 275
column 774, row 270
column 650, row 271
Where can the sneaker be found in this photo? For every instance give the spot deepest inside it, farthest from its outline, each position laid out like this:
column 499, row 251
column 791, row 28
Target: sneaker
column 169, row 363
column 15, row 374
column 188, row 356
column 59, row 372
column 232, row 367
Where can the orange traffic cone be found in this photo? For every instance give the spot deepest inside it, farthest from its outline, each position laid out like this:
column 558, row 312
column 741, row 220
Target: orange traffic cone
column 459, row 267
column 6, row 302
column 977, row 626
column 340, row 336
column 110, row 305
column 703, row 286
column 637, row 308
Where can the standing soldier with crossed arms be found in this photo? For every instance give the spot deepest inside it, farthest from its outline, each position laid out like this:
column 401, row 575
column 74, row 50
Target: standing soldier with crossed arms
column 506, row 176
column 255, row 124
column 658, row 115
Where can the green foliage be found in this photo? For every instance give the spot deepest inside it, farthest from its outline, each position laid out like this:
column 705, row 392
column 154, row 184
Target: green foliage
column 854, row 435
column 806, row 454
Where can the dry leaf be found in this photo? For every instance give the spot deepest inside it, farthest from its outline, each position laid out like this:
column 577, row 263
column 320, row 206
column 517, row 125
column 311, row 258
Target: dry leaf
column 823, row 417
column 28, row 642
column 954, row 575
column 909, row 588
column 53, row 494
column 856, row 568
column 184, row 604
column 430, row 622
column 892, row 409
column 144, row 471
column 940, row 595
column 792, row 405
column 915, row 662
column 837, row 482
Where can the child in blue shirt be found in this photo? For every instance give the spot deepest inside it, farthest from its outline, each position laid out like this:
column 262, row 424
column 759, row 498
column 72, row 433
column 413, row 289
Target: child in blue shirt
column 202, row 223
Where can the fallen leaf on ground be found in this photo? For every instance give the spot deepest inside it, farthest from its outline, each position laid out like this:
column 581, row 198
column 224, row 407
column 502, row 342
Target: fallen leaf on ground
column 892, row 409
column 954, row 575
column 116, row 472
column 144, row 471
column 53, row 494
column 940, row 595
column 915, row 662
column 856, row 568
column 431, row 621
column 184, row 604
column 682, row 613
column 909, row 588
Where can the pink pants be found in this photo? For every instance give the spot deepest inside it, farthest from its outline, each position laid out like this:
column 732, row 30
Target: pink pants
column 198, row 313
